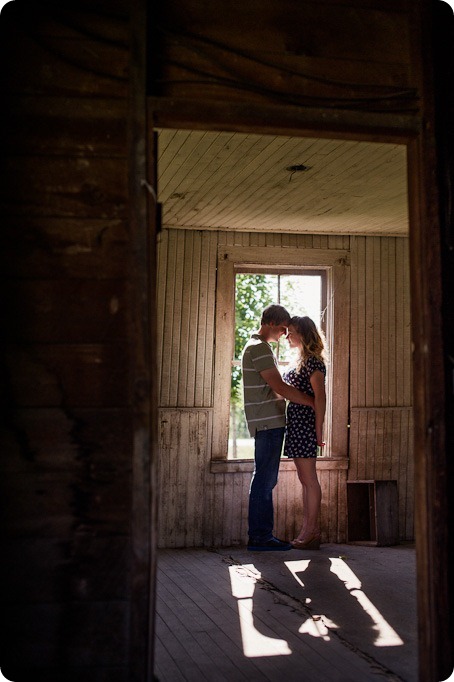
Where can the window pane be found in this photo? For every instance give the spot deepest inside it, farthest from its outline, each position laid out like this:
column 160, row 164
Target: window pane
column 252, row 294
column 301, row 295
column 241, row 445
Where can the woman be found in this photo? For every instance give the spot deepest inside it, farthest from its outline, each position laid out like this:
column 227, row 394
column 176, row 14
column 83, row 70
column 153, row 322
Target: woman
column 304, row 430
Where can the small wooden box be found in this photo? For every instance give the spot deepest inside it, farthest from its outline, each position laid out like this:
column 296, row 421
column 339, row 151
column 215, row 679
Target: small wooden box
column 372, row 513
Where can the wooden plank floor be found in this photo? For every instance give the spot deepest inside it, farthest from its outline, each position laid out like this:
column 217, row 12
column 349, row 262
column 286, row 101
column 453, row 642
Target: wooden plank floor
column 343, row 614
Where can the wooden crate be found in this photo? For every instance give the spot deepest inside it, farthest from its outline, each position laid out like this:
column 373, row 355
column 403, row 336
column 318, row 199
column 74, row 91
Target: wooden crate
column 372, row 512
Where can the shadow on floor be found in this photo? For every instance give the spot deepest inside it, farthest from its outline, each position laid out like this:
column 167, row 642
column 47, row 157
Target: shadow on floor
column 345, row 613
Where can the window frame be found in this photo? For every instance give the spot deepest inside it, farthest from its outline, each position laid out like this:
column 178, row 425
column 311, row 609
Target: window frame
column 283, row 272
column 335, row 263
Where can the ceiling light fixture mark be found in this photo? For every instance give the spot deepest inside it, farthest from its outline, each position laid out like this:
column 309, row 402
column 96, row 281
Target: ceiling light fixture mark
column 297, row 168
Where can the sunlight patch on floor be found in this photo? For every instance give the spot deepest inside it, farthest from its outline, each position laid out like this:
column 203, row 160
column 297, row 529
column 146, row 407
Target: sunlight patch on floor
column 243, row 580
column 385, row 634
column 296, row 567
column 255, row 644
column 315, row 628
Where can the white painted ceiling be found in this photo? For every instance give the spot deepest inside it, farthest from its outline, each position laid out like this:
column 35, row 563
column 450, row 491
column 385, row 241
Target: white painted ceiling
column 209, row 180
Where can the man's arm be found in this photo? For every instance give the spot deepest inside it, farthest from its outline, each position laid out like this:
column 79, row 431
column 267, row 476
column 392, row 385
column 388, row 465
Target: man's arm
column 275, row 381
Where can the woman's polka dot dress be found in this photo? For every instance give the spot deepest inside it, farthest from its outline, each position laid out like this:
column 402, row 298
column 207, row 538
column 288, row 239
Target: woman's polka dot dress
column 300, row 437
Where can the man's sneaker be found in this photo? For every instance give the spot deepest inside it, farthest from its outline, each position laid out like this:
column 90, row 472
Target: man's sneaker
column 273, row 545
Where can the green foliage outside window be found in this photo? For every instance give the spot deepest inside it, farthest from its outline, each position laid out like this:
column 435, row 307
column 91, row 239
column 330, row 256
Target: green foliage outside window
column 253, row 294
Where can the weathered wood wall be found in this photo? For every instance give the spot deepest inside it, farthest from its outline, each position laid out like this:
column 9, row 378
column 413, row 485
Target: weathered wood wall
column 67, row 432
column 285, row 55
column 363, row 69
column 202, row 504
column 381, row 416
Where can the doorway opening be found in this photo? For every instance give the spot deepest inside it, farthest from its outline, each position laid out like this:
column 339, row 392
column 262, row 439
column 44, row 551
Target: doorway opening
column 223, row 198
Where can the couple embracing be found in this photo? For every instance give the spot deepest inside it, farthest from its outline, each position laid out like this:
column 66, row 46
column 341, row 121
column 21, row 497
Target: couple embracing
column 265, row 395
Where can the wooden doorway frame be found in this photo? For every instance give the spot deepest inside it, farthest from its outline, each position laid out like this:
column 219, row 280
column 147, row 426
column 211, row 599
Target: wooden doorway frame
column 426, row 286
column 425, row 272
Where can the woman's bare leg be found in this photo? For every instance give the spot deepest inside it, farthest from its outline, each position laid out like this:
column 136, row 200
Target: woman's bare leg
column 312, row 495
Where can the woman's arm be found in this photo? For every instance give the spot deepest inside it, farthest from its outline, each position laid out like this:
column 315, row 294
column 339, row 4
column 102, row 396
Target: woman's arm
column 317, row 380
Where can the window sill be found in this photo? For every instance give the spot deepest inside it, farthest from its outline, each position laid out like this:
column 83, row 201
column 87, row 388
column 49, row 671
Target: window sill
column 241, row 466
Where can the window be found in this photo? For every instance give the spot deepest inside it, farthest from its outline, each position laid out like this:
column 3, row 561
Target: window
column 302, row 292
column 331, row 266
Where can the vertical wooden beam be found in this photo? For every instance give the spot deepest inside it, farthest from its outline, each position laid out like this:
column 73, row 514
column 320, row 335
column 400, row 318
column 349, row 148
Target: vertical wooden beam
column 431, row 455
column 443, row 41
column 339, row 314
column 225, row 320
column 429, row 449
column 428, row 394
column 142, row 186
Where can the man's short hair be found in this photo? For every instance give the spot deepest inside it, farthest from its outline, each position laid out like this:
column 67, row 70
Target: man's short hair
column 277, row 314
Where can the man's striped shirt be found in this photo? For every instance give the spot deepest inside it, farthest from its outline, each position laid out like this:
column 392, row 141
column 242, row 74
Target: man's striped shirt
column 264, row 410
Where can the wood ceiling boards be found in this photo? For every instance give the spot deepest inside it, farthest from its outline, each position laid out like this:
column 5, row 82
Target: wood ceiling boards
column 237, row 181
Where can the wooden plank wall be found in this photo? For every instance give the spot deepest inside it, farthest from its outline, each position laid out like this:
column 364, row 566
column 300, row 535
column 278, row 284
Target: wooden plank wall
column 67, row 436
column 199, row 507
column 381, row 447
column 380, row 323
column 381, row 416
column 348, row 55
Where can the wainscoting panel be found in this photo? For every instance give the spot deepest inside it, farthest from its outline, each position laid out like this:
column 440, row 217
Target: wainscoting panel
column 381, row 448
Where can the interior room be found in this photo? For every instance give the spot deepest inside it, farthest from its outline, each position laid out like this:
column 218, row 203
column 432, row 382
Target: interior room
column 236, row 198
column 238, row 202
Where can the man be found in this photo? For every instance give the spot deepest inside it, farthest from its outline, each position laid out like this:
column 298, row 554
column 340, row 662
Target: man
column 264, row 405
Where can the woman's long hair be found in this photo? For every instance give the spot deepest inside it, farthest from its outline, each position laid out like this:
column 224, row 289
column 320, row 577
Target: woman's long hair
column 312, row 340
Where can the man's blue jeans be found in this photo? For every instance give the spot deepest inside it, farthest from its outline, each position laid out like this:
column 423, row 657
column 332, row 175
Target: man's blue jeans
column 268, row 447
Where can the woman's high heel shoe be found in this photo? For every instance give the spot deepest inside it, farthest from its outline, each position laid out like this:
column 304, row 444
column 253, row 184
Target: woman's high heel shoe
column 312, row 542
